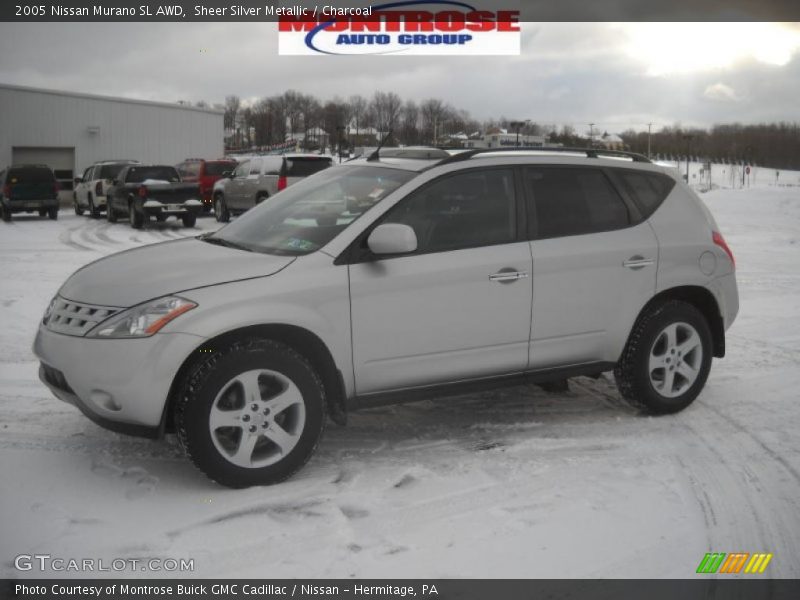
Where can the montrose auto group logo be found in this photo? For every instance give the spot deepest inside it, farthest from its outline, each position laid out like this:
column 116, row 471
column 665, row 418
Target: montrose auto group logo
column 402, row 28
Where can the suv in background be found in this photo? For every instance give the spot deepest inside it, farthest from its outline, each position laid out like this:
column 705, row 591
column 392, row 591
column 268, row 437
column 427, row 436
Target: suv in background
column 392, row 279
column 91, row 188
column 259, row 177
column 28, row 188
column 205, row 173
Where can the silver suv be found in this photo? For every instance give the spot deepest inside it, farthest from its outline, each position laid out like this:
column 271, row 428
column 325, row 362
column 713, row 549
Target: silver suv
column 390, row 279
column 260, row 177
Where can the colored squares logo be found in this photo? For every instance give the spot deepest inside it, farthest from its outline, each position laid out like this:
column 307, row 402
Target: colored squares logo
column 733, row 563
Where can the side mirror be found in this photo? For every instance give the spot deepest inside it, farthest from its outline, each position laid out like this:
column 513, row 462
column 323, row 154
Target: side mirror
column 115, row 182
column 392, row 238
column 77, row 180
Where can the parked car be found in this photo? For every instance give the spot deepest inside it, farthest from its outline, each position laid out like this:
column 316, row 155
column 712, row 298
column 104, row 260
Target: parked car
column 205, row 173
column 260, row 177
column 28, row 188
column 91, row 188
column 144, row 191
column 393, row 279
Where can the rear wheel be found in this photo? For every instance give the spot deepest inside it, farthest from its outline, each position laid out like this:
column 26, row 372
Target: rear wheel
column 189, row 220
column 53, row 213
column 5, row 213
column 93, row 211
column 221, row 209
column 111, row 216
column 78, row 209
column 666, row 361
column 42, row 212
column 161, row 218
column 252, row 413
column 136, row 218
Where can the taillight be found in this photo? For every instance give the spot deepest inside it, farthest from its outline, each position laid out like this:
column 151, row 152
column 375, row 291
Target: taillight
column 143, row 191
column 98, row 189
column 720, row 241
column 281, row 183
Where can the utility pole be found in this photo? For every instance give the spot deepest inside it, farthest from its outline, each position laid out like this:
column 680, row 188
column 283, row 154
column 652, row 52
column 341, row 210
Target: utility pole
column 649, row 125
column 688, row 138
column 591, row 135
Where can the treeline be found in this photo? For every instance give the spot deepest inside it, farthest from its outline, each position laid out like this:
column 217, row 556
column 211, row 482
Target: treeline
column 775, row 145
column 271, row 120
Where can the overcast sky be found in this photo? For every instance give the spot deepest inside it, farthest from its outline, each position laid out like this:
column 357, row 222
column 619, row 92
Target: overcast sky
column 614, row 75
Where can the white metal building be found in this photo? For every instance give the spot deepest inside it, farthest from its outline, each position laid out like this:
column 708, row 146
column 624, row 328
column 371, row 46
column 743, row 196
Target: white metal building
column 69, row 131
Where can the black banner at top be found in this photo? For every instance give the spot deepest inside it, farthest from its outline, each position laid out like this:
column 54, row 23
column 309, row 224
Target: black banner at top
column 272, row 10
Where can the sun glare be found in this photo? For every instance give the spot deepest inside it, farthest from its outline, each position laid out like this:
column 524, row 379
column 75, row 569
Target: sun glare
column 667, row 48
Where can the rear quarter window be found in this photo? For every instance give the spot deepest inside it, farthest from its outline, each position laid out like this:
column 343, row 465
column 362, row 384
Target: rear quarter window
column 647, row 189
column 303, row 167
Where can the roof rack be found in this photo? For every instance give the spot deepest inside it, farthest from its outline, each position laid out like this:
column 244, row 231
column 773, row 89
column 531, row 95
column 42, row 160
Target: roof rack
column 589, row 152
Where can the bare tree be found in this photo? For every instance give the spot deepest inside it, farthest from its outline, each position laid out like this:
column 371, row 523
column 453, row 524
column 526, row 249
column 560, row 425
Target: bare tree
column 386, row 106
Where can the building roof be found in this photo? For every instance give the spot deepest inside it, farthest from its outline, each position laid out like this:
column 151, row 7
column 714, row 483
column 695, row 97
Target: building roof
column 175, row 105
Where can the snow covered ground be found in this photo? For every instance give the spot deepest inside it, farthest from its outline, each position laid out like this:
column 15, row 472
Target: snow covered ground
column 515, row 483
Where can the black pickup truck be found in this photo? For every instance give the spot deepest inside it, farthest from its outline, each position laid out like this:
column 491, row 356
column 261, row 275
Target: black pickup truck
column 144, row 191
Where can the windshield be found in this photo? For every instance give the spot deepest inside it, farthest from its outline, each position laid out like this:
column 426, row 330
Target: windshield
column 309, row 214
column 140, row 174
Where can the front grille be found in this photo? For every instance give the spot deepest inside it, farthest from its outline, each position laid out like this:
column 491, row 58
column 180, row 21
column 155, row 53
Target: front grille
column 74, row 318
column 55, row 378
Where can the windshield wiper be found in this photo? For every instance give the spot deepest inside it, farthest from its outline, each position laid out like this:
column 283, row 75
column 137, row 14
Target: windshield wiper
column 226, row 243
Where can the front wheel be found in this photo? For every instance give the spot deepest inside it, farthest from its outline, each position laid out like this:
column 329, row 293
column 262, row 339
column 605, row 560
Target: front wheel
column 94, row 212
column 52, row 213
column 666, row 361
column 111, row 215
column 251, row 413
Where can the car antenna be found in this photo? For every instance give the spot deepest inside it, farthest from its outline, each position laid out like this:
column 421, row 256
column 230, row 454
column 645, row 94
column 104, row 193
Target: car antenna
column 376, row 155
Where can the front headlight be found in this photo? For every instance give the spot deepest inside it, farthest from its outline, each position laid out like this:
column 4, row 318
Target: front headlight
column 143, row 320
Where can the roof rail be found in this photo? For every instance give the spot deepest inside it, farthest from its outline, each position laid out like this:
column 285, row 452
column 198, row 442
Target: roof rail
column 589, row 152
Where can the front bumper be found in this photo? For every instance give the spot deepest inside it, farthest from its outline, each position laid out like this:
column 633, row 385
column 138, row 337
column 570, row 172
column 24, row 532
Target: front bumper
column 121, row 384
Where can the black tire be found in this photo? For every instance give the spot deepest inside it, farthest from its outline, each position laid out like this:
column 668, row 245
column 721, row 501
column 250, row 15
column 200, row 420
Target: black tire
column 94, row 213
column 189, row 220
column 206, row 208
column 136, row 218
column 211, row 376
column 78, row 208
column 632, row 373
column 161, row 217
column 5, row 213
column 261, row 197
column 221, row 212
column 111, row 215
column 52, row 213
column 42, row 212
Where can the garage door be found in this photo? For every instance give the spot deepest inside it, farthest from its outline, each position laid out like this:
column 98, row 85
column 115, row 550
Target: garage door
column 61, row 160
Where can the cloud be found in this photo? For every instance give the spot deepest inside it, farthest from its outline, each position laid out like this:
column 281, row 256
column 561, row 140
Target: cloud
column 720, row 92
column 568, row 73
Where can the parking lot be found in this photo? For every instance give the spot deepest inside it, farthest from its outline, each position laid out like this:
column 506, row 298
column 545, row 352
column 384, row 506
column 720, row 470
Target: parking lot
column 512, row 483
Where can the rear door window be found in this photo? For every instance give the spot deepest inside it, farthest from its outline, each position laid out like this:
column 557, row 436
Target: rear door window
column 303, row 167
column 573, row 201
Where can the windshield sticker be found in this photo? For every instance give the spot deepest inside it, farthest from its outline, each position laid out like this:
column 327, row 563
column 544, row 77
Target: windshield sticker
column 298, row 244
column 376, row 193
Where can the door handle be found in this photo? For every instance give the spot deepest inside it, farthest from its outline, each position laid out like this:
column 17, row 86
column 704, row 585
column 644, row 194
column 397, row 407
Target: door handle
column 638, row 262
column 509, row 276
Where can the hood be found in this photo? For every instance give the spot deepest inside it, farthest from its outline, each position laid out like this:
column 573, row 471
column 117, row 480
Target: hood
column 134, row 276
